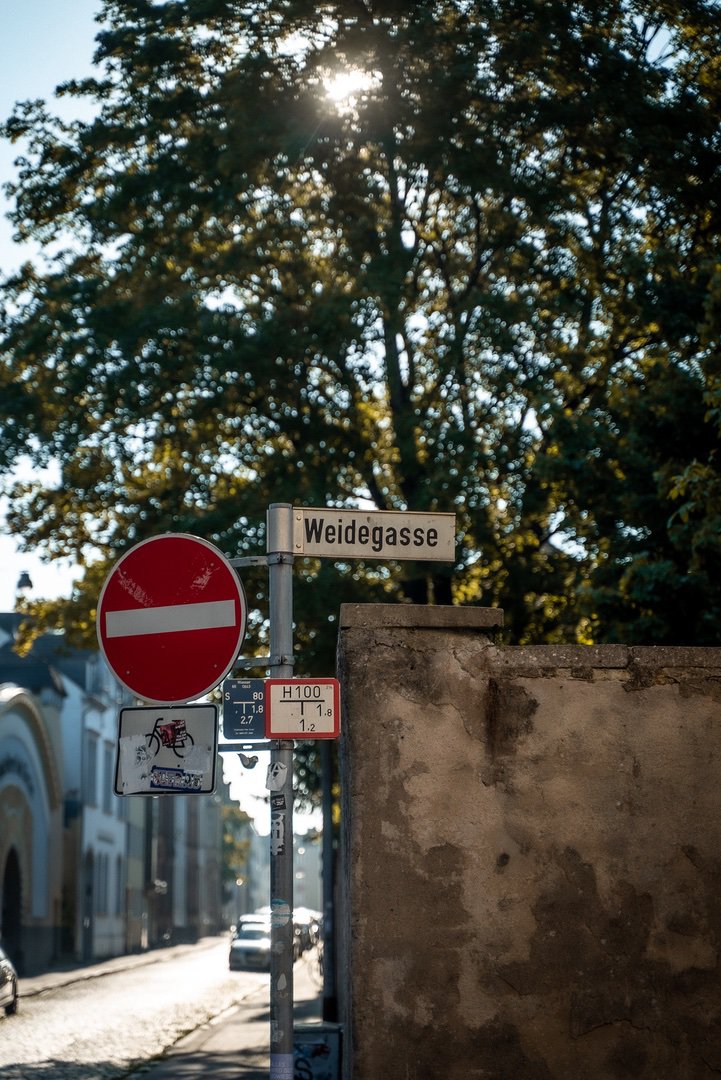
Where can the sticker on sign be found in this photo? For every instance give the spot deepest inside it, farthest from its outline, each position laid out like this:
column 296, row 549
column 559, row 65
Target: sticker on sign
column 302, row 708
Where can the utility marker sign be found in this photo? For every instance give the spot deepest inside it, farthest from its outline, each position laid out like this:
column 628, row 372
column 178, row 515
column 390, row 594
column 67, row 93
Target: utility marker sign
column 302, row 708
column 244, row 709
column 375, row 534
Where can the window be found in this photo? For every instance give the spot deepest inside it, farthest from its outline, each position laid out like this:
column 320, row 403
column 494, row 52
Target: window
column 119, row 885
column 108, row 762
column 101, row 884
column 90, row 781
column 94, row 676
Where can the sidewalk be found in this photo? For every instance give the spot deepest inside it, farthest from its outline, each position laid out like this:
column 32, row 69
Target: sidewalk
column 234, row 1046
column 70, row 973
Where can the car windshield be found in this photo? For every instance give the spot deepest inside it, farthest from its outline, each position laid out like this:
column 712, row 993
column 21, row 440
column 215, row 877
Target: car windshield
column 252, row 934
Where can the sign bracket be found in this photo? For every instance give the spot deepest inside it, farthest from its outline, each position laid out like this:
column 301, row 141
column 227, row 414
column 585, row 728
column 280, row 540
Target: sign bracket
column 247, row 747
column 264, row 661
column 282, row 557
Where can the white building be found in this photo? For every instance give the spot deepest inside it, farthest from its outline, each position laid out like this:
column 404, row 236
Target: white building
column 31, row 805
column 84, row 873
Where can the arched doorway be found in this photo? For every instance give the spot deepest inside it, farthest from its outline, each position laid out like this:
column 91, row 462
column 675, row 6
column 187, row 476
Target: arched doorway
column 12, row 909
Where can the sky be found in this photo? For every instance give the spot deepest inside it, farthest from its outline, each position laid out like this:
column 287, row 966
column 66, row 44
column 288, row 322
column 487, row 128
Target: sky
column 42, row 44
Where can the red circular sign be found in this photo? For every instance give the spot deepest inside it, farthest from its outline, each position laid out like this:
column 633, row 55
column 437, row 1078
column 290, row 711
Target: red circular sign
column 171, row 618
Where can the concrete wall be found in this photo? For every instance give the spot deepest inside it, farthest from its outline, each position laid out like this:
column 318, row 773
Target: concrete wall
column 532, row 854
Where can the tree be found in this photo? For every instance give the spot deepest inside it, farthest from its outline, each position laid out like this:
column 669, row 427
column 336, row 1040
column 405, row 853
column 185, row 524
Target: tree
column 446, row 289
column 635, row 441
column 236, row 847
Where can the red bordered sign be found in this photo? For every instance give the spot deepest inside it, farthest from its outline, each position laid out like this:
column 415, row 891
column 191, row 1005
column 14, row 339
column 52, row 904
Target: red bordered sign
column 171, row 618
column 302, row 708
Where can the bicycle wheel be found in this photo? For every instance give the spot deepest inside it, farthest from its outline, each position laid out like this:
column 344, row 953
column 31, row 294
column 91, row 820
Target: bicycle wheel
column 184, row 750
column 153, row 743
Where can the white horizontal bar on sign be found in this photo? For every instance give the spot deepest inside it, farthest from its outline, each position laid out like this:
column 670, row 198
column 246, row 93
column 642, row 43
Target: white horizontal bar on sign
column 169, row 620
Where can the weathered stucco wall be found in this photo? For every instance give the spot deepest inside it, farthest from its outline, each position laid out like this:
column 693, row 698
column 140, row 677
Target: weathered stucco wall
column 532, row 854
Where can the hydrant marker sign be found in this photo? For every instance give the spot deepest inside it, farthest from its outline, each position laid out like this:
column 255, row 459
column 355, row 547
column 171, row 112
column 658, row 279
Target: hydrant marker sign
column 302, row 708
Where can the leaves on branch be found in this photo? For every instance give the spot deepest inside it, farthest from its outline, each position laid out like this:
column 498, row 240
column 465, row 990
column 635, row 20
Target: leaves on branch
column 486, row 282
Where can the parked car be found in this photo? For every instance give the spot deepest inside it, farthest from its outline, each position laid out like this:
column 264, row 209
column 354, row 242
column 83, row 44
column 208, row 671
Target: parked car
column 8, row 984
column 250, row 943
column 250, row 947
column 301, row 927
column 307, row 927
column 254, row 919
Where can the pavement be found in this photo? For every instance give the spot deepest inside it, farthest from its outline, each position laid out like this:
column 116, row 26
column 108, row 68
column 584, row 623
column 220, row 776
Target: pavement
column 63, row 974
column 234, row 1044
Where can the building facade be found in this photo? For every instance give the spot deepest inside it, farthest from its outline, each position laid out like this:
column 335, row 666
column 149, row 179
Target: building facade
column 86, row 874
column 30, row 827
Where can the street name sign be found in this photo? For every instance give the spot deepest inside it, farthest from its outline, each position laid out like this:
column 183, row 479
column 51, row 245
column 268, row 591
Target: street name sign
column 302, row 708
column 167, row 751
column 244, row 709
column 171, row 618
column 373, row 534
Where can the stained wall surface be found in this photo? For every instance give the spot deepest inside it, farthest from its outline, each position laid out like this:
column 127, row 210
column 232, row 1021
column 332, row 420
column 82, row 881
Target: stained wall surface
column 532, row 853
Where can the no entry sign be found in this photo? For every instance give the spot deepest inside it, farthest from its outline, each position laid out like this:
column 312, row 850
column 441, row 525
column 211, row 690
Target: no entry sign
column 171, row 618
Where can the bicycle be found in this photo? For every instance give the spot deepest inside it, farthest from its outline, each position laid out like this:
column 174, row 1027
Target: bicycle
column 314, row 959
column 171, row 734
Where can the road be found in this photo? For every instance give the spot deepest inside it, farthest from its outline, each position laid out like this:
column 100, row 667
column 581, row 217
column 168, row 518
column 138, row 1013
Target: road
column 107, row 1027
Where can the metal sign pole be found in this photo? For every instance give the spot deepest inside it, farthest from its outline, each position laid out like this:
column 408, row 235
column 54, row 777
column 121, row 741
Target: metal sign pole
column 280, row 784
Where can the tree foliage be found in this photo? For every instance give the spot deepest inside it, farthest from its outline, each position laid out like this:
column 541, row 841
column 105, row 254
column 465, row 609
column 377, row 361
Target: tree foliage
column 484, row 281
column 236, row 847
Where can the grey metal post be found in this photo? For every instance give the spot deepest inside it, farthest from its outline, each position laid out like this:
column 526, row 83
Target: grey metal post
column 330, row 992
column 280, row 576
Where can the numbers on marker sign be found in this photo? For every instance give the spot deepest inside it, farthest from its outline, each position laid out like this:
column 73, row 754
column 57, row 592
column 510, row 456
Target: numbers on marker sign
column 300, row 691
column 302, row 708
column 244, row 708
